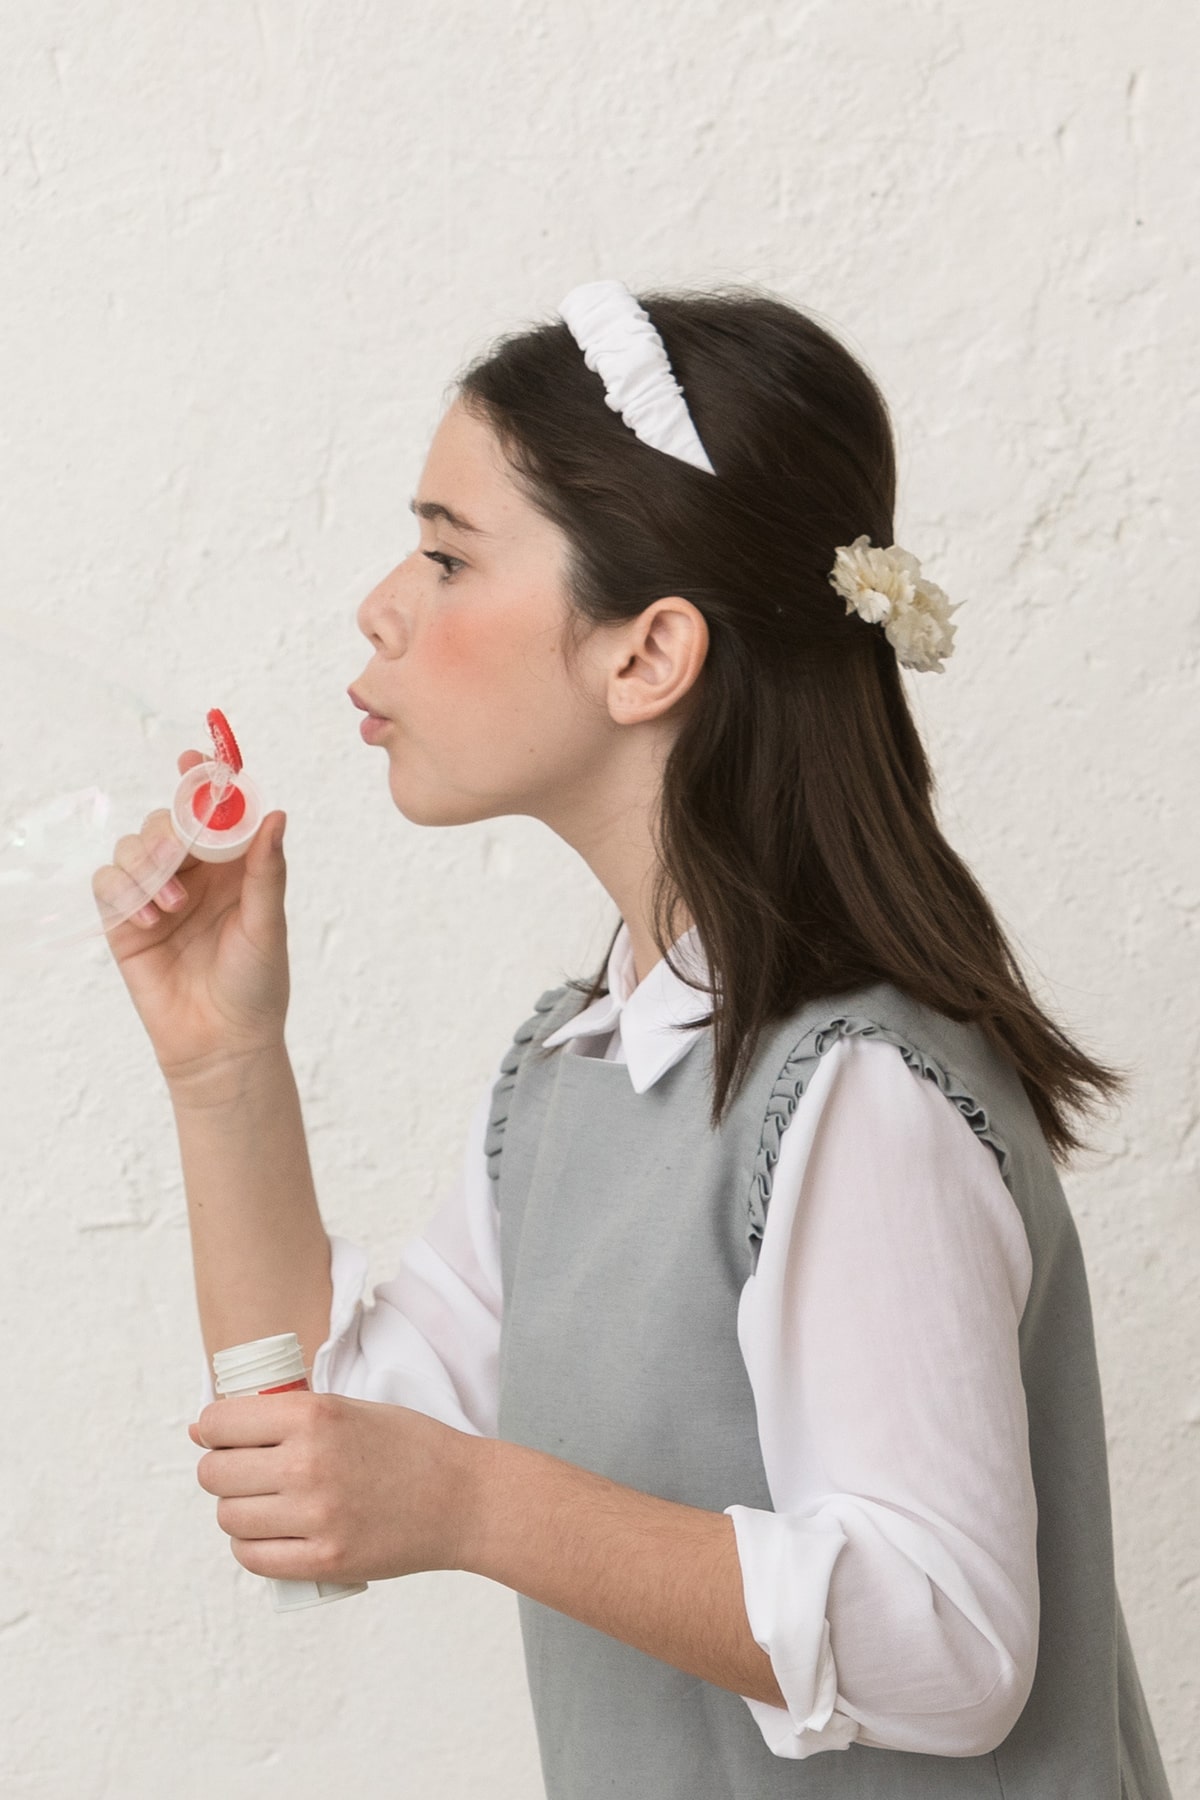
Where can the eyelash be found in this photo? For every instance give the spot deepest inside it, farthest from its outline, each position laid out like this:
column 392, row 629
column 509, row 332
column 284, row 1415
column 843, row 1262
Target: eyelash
column 439, row 556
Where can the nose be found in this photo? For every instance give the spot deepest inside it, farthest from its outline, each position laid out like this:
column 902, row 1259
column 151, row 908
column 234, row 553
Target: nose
column 380, row 617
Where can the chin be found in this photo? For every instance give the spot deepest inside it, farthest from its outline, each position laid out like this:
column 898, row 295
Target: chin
column 428, row 811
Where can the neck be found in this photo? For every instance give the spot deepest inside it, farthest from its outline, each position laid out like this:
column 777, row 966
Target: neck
column 610, row 828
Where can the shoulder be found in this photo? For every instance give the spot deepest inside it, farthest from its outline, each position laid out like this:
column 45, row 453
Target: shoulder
column 877, row 1063
column 953, row 1055
column 878, row 1154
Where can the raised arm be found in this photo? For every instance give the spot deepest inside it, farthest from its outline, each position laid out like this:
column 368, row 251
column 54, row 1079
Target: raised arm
column 429, row 1336
column 206, row 966
column 259, row 1249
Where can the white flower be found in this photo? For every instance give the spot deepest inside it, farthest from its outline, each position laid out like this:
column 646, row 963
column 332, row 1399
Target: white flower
column 886, row 586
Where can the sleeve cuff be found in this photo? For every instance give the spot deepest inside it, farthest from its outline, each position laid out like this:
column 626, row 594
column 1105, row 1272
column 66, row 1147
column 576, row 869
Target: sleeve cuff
column 787, row 1560
column 348, row 1277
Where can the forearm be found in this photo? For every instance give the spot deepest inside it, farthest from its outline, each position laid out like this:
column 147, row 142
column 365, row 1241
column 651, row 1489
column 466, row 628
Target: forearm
column 660, row 1576
column 259, row 1248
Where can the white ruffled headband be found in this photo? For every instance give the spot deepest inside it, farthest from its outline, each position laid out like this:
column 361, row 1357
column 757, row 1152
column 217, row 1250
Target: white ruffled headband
column 621, row 344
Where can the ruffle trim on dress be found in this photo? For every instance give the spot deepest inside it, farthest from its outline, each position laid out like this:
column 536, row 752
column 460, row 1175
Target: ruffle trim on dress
column 523, row 1036
column 794, row 1077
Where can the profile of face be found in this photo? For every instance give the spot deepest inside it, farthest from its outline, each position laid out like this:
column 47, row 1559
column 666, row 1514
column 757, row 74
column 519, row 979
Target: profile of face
column 485, row 716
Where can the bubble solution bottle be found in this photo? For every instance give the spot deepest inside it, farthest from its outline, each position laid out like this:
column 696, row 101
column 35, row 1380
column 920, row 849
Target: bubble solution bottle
column 217, row 809
column 275, row 1365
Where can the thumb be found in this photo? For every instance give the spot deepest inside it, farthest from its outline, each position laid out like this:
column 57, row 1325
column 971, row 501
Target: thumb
column 266, row 871
column 265, row 855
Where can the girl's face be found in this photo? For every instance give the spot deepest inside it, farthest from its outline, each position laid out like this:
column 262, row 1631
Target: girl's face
column 484, row 716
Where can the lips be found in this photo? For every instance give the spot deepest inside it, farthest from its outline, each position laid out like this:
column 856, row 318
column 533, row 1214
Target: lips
column 363, row 707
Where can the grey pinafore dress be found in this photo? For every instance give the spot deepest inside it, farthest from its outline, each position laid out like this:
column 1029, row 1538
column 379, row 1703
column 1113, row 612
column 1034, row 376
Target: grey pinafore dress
column 627, row 1230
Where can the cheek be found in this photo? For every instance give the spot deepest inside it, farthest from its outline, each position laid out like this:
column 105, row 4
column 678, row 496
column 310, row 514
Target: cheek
column 473, row 687
column 490, row 663
column 462, row 649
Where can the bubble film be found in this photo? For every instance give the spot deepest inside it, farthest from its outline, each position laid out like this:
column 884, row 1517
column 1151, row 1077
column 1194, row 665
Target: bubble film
column 84, row 760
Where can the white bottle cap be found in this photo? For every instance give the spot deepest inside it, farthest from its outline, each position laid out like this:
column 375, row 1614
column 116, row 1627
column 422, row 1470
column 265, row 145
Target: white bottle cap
column 264, row 1363
column 226, row 828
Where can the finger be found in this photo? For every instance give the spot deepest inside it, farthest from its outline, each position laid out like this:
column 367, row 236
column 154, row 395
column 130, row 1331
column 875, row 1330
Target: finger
column 141, row 865
column 252, row 1419
column 188, row 759
column 284, row 1559
column 162, row 842
column 237, row 1474
column 266, row 881
column 168, row 856
column 126, row 884
column 259, row 1516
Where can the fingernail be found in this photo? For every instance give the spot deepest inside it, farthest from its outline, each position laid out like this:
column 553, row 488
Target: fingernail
column 172, row 893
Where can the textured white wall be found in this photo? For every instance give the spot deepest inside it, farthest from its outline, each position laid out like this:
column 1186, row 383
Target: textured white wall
column 243, row 248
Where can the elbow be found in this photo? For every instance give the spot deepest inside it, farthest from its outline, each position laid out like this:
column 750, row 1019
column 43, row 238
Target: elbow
column 975, row 1725
column 984, row 1721
column 961, row 1700
column 984, row 1726
column 986, row 1675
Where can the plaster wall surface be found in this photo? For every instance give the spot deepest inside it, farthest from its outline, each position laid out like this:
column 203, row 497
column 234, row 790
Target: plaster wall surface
column 245, row 248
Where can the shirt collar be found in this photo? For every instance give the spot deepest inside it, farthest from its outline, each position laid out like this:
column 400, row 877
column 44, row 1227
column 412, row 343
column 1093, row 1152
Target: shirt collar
column 644, row 1014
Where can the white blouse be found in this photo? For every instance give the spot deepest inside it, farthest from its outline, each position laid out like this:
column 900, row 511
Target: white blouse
column 894, row 1586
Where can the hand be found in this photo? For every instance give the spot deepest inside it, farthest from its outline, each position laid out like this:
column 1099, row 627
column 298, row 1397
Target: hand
column 209, row 977
column 316, row 1487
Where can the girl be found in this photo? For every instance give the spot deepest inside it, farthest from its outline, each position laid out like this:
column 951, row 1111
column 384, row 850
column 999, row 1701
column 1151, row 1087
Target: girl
column 755, row 1352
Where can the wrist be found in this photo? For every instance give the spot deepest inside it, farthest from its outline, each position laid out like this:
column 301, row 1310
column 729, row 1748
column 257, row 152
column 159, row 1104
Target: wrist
column 477, row 1486
column 225, row 1078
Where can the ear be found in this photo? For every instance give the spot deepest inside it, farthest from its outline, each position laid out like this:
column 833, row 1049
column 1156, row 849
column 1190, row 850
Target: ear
column 666, row 649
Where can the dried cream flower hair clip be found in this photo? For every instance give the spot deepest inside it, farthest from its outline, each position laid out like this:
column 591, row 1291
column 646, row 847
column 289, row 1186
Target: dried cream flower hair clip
column 886, row 587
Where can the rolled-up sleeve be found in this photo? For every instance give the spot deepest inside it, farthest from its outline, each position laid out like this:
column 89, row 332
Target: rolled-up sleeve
column 429, row 1337
column 894, row 1585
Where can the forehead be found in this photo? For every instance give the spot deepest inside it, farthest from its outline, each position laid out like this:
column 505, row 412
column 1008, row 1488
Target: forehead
column 467, row 475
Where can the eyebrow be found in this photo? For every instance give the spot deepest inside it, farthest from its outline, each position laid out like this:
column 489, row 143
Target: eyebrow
column 433, row 509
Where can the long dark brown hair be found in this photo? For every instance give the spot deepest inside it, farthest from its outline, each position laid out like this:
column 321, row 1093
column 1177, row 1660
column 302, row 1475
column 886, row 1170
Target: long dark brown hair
column 796, row 822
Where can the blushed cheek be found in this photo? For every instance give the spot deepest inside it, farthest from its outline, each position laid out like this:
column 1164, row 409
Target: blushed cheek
column 472, row 660
column 485, row 715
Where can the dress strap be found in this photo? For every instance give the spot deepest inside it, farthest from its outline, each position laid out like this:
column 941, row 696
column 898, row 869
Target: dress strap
column 794, row 1077
column 510, row 1063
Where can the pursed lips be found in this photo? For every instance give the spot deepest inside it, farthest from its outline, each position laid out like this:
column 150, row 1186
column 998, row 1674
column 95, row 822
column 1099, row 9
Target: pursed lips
column 363, row 707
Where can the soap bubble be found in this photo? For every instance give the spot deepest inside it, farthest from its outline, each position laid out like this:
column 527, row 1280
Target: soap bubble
column 83, row 760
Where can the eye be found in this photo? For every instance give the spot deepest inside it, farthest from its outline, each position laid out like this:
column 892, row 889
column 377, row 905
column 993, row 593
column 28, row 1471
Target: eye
column 439, row 556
